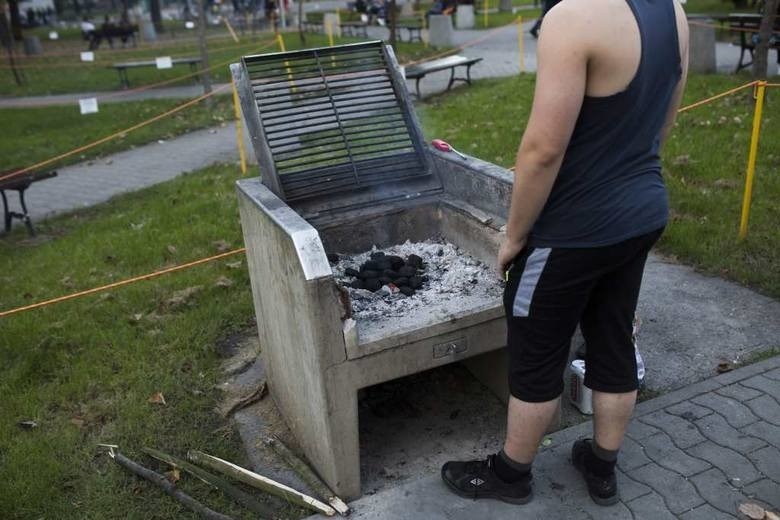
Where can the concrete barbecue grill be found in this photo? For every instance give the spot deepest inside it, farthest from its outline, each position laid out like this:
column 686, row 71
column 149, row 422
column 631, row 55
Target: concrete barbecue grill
column 345, row 170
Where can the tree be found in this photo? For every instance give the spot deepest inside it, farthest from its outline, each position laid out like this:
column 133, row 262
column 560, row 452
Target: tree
column 16, row 20
column 154, row 8
column 205, row 75
column 761, row 54
column 7, row 41
column 391, row 14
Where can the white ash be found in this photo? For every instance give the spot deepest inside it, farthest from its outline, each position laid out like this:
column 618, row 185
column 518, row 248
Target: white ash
column 454, row 280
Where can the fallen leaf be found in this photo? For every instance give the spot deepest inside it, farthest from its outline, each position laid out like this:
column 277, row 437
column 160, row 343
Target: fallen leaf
column 171, row 249
column 181, row 297
column 67, row 281
column 173, row 475
column 234, row 265
column 157, row 398
column 223, row 281
column 27, row 425
column 137, row 226
column 724, row 367
column 221, row 245
column 78, row 422
column 752, row 511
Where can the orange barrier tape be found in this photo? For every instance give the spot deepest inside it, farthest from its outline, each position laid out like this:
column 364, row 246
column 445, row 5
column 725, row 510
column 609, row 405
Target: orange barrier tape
column 121, row 283
column 114, row 135
column 722, row 27
column 718, row 96
column 772, row 85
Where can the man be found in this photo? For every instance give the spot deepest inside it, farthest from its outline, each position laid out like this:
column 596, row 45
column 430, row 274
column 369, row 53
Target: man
column 588, row 204
column 546, row 6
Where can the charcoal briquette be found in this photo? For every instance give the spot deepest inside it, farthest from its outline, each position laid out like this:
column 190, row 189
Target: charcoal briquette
column 370, row 265
column 414, row 261
column 350, row 271
column 407, row 271
column 415, row 282
column 401, row 282
column 385, row 280
column 390, row 274
column 408, row 291
column 377, row 255
column 373, row 284
column 333, row 258
column 383, row 264
column 396, row 262
column 357, row 284
column 365, row 275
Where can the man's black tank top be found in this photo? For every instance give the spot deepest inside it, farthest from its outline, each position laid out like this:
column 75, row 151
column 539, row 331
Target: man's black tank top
column 609, row 187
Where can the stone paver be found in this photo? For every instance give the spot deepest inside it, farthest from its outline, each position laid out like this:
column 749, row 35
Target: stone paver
column 659, row 478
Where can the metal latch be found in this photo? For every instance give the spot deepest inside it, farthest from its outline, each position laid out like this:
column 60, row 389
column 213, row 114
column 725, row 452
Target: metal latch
column 450, row 348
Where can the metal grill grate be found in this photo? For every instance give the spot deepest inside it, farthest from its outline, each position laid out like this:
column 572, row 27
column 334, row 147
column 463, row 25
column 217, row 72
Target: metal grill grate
column 333, row 121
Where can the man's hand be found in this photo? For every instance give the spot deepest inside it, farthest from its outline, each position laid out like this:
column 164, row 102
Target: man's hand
column 508, row 251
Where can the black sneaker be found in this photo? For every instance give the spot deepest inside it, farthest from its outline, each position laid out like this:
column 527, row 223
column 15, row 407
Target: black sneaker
column 603, row 490
column 478, row 479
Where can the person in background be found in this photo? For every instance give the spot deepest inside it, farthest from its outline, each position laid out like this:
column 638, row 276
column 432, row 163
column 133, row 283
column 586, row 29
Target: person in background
column 546, row 6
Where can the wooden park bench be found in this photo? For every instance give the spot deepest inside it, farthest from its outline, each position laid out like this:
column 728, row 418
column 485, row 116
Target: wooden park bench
column 20, row 184
column 419, row 71
column 122, row 67
column 746, row 26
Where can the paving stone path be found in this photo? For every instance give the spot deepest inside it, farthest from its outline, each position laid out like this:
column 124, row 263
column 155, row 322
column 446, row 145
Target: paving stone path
column 695, row 453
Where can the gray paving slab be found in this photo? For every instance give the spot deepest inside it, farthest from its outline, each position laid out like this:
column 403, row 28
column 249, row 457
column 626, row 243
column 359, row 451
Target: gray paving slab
column 708, row 479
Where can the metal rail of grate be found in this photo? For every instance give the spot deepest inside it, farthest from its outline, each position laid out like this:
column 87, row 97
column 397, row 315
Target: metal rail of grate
column 333, row 120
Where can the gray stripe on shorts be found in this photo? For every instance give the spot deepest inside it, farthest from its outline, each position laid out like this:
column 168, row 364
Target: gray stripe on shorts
column 530, row 277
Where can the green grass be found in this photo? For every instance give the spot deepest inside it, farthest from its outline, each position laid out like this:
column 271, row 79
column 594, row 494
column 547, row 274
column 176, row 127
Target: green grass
column 704, row 163
column 65, row 74
column 84, row 371
column 30, row 135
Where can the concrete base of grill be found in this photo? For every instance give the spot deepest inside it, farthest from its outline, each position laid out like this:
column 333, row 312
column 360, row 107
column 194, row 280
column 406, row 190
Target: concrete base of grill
column 315, row 359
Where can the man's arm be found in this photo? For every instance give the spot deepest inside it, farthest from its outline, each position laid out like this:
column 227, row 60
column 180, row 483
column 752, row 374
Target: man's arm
column 682, row 36
column 560, row 89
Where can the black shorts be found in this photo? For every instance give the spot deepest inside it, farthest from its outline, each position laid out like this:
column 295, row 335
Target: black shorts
column 550, row 291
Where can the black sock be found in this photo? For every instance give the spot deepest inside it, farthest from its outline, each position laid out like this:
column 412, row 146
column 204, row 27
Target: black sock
column 599, row 461
column 509, row 470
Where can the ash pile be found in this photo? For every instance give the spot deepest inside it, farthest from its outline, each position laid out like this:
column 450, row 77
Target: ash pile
column 433, row 276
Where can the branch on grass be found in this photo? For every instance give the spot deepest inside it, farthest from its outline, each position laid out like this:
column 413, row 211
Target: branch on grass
column 260, row 482
column 162, row 482
column 308, row 475
column 223, row 485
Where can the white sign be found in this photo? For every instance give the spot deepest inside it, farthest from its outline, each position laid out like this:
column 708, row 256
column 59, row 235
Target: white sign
column 164, row 62
column 88, row 56
column 189, row 25
column 54, row 35
column 88, row 106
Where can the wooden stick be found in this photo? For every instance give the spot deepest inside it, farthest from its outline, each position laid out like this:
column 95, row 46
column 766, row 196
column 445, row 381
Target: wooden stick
column 223, row 485
column 167, row 486
column 308, row 475
column 264, row 483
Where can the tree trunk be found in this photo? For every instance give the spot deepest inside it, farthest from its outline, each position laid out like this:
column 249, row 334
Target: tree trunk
column 16, row 20
column 125, row 10
column 300, row 22
column 205, row 75
column 392, row 23
column 7, row 41
column 761, row 54
column 154, row 8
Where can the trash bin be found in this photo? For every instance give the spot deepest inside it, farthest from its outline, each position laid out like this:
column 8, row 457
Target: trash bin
column 32, row 45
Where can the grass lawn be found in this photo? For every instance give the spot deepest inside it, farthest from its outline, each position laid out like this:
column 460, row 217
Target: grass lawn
column 84, row 371
column 704, row 164
column 31, row 135
column 63, row 74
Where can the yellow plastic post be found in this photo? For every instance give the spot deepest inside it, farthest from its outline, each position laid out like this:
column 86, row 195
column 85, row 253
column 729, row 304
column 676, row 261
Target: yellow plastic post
column 329, row 31
column 751, row 165
column 280, row 41
column 239, row 131
column 230, row 29
column 485, row 7
column 521, row 43
column 423, row 27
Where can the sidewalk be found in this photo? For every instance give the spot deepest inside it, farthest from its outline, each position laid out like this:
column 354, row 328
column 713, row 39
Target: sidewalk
column 695, row 453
